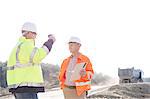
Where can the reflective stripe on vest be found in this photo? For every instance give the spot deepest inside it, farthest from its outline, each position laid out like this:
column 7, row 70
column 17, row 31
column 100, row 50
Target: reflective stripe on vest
column 18, row 64
column 26, row 84
column 17, row 53
column 32, row 54
column 83, row 83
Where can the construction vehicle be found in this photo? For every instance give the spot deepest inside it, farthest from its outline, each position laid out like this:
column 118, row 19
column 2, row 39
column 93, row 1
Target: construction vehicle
column 130, row 75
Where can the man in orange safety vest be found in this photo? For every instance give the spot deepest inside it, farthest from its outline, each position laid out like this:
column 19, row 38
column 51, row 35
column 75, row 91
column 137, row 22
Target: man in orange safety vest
column 75, row 89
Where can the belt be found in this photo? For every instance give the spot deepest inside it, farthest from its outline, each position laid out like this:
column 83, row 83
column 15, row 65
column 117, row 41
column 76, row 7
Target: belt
column 71, row 87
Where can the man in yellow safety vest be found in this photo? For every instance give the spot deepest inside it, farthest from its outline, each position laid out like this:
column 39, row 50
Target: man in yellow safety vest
column 24, row 73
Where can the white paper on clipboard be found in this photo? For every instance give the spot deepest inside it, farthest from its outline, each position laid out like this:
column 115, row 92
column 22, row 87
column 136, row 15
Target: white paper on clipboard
column 76, row 73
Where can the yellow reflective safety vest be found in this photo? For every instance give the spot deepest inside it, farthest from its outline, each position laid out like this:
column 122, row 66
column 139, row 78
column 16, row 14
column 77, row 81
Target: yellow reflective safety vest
column 23, row 66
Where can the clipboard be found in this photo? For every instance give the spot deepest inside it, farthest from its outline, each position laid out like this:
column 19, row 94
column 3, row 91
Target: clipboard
column 76, row 73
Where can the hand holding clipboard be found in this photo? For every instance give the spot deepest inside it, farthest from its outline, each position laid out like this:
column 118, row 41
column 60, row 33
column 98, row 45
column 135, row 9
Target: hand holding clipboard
column 83, row 71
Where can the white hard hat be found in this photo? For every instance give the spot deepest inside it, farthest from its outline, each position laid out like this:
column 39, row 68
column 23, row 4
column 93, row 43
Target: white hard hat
column 29, row 27
column 75, row 39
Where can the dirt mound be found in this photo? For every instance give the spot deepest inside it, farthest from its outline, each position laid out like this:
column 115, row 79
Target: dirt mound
column 124, row 91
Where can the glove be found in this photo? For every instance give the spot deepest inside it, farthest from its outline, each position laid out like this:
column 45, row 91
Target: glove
column 51, row 37
column 50, row 42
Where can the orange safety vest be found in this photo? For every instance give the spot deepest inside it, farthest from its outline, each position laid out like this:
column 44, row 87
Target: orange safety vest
column 84, row 83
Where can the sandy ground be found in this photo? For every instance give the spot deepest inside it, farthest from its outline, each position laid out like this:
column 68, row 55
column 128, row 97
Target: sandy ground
column 123, row 91
column 117, row 91
column 56, row 93
column 53, row 94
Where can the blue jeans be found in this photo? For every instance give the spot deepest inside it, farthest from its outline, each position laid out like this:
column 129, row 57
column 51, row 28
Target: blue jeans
column 25, row 95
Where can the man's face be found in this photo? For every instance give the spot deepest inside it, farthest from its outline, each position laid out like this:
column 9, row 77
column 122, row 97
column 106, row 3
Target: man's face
column 74, row 47
column 31, row 35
